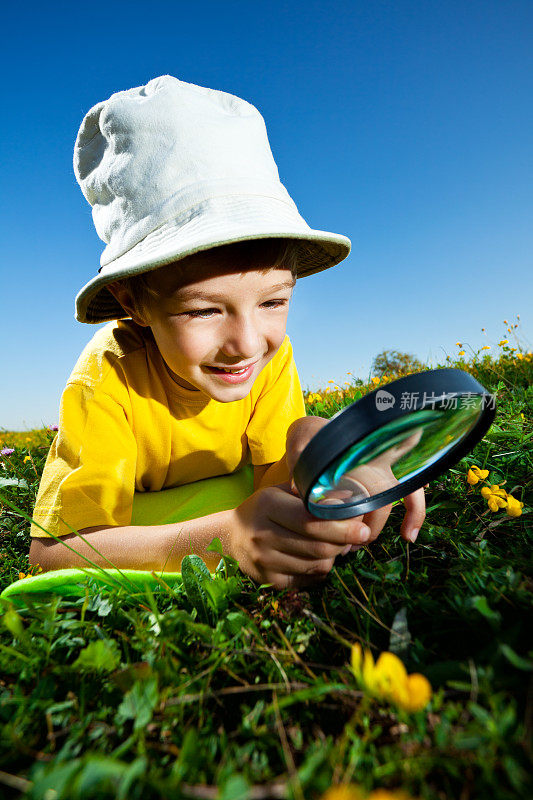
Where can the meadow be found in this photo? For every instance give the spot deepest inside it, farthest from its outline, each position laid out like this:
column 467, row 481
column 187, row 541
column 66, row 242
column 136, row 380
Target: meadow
column 408, row 673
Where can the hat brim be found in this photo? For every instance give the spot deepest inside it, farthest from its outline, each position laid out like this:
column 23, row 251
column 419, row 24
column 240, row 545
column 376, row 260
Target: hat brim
column 215, row 222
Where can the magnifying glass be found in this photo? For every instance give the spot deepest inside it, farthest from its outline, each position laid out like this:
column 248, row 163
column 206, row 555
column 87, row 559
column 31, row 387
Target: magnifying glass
column 391, row 442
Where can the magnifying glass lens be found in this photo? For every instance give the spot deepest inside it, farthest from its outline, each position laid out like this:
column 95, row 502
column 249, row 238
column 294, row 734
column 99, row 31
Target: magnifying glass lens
column 395, row 452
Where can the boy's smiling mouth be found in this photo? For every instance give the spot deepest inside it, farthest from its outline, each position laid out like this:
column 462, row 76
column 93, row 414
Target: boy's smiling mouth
column 231, row 369
column 233, row 374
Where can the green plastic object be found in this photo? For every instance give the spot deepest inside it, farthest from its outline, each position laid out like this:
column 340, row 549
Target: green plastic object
column 72, row 582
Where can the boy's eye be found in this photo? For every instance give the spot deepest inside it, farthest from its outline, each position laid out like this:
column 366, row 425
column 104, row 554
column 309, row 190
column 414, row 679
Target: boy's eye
column 201, row 312
column 205, row 313
column 275, row 303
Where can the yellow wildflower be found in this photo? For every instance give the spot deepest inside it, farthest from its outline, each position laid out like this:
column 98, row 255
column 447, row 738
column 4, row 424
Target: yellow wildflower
column 342, row 792
column 459, row 344
column 505, row 322
column 496, row 498
column 347, row 791
column 475, row 474
column 514, row 506
column 21, row 576
column 375, row 380
column 503, row 341
column 461, row 352
column 27, row 458
column 520, row 356
column 388, row 679
column 486, row 347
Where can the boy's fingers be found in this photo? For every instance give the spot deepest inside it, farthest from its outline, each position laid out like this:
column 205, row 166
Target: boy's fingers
column 415, row 507
column 294, row 488
column 376, row 520
column 290, row 514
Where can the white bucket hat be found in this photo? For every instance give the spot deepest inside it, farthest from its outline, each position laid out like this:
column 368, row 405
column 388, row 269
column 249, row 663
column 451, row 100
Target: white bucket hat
column 171, row 169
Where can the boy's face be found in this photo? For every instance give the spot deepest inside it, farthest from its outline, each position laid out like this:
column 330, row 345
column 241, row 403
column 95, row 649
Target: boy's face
column 218, row 331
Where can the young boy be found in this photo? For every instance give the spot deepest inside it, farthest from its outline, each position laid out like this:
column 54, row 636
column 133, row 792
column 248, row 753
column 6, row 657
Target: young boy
column 183, row 417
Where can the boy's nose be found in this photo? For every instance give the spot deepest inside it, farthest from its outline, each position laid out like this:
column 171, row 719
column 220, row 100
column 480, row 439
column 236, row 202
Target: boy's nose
column 241, row 338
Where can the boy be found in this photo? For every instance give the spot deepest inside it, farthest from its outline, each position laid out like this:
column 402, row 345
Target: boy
column 195, row 392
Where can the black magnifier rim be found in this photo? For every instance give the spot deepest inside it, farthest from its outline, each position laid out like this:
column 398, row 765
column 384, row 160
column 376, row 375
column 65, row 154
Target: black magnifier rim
column 362, row 418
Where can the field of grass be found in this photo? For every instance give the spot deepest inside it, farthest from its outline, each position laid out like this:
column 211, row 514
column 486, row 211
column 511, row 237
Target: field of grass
column 261, row 693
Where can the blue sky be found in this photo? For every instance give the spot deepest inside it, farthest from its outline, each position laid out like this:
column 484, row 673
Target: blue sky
column 404, row 125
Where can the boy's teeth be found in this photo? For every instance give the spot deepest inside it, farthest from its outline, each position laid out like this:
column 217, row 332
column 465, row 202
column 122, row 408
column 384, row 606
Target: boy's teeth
column 226, row 369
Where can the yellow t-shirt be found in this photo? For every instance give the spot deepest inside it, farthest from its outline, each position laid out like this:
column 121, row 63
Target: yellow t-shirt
column 126, row 426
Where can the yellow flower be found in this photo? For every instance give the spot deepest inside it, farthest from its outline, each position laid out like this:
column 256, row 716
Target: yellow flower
column 27, row 458
column 418, row 692
column 342, row 792
column 503, row 341
column 514, row 506
column 520, row 356
column 21, row 576
column 461, row 352
column 346, row 791
column 486, row 347
column 475, row 474
column 375, row 380
column 496, row 498
column 459, row 344
column 388, row 679
column 495, row 503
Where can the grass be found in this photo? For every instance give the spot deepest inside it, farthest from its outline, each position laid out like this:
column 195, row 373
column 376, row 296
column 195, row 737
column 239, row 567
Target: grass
column 139, row 694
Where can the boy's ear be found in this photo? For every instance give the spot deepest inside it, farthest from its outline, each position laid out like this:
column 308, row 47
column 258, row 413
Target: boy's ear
column 123, row 296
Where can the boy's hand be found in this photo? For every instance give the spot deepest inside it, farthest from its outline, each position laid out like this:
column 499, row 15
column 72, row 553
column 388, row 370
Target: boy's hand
column 275, row 539
column 376, row 478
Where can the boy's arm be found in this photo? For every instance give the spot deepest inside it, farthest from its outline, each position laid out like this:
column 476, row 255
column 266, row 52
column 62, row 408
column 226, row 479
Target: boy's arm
column 150, row 547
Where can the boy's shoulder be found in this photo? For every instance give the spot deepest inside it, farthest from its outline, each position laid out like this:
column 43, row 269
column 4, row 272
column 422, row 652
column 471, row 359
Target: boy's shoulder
column 110, row 344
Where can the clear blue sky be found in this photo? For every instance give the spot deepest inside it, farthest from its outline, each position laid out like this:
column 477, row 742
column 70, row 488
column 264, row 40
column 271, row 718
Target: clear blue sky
column 404, row 125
